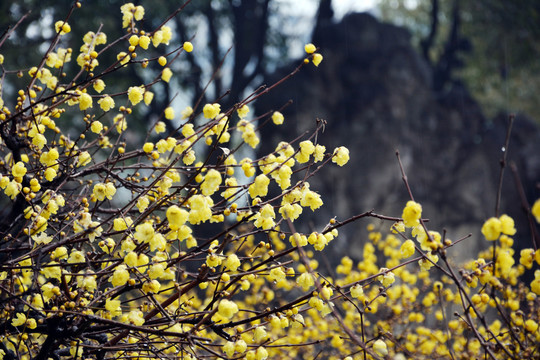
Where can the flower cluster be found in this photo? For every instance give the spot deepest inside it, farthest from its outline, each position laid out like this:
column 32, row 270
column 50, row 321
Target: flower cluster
column 179, row 247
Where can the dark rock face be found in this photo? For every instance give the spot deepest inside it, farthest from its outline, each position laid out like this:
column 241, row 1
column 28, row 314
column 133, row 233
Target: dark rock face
column 374, row 90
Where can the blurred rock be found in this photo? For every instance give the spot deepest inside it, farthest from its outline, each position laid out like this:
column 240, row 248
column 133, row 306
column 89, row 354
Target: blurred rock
column 374, row 90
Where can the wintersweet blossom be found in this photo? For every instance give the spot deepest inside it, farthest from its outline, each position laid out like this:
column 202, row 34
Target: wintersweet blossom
column 188, row 46
column 85, row 101
column 20, row 320
column 169, row 113
column 166, row 74
column 259, row 187
column 211, row 182
column 507, row 225
column 232, row 262
column 18, row 170
column 412, row 214
column 341, row 156
column 135, row 94
column 227, row 308
column 380, row 348
column 106, row 103
column 407, row 249
column 310, row 48
column 120, row 276
column 535, row 210
column 492, row 228
column 277, row 118
column 317, row 59
column 210, row 111
column 176, row 217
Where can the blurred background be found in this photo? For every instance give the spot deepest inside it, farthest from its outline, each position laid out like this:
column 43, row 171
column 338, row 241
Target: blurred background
column 434, row 79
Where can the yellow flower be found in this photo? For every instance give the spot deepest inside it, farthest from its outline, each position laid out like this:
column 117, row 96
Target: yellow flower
column 535, row 284
column 84, row 158
column 144, row 232
column 228, row 349
column 259, row 186
column 213, row 260
column 341, row 156
column 283, row 177
column 49, row 157
column 166, row 34
column 148, row 97
column 176, row 217
column 188, row 47
column 536, row 210
column 531, row 325
column 492, row 229
column 265, row 217
column 388, row 279
column 233, row 262
column 31, row 323
column 243, row 111
column 85, row 101
column 20, row 320
column 169, row 113
column 102, row 191
column 39, row 140
column 166, row 74
column 13, row 189
column 144, row 41
column 261, row 353
column 201, row 209
column 260, row 334
column 412, row 214
column 106, row 103
column 148, row 147
column 310, row 48
column 526, row 258
column 123, row 57
column 357, row 291
column 120, row 276
column 227, row 308
column 380, row 348
column 133, row 40
column 18, row 170
column 152, row 286
column 311, row 199
column 113, row 306
column 407, row 249
column 305, row 281
column 99, row 85
column 50, row 174
column 162, row 60
column 136, row 317
column 210, row 111
column 138, row 14
column 160, row 127
column 62, row 27
column 319, row 153
column 317, row 59
column 96, row 127
column 507, row 225
column 277, row 118
column 186, row 113
column 142, row 203
column 211, row 182
column 135, row 94
column 306, row 149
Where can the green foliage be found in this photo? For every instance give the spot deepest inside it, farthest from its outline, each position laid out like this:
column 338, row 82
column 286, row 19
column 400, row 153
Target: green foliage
column 501, row 70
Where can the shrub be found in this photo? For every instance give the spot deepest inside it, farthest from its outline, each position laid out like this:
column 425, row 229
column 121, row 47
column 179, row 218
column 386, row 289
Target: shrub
column 177, row 248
